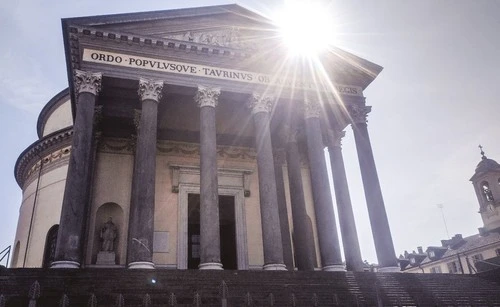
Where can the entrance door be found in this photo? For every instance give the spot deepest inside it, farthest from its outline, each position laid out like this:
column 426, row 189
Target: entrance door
column 227, row 232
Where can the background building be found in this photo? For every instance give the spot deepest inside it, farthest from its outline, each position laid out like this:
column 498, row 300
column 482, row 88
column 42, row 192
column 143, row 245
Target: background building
column 471, row 254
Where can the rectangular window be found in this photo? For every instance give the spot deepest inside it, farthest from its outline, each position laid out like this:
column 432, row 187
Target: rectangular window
column 477, row 258
column 436, row 269
column 498, row 251
column 432, row 254
column 453, row 267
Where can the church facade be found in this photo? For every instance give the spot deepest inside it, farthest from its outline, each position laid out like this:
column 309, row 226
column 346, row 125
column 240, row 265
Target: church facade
column 187, row 139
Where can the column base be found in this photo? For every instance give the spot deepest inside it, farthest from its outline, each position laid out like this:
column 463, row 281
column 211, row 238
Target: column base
column 210, row 266
column 65, row 265
column 390, row 269
column 334, row 268
column 274, row 267
column 141, row 265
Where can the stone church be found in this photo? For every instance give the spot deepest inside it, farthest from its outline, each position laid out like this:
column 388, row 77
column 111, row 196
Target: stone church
column 185, row 165
column 200, row 144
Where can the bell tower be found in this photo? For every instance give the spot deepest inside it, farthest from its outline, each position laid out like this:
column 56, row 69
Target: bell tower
column 486, row 182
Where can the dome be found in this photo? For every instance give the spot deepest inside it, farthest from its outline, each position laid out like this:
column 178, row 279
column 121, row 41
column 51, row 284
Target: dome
column 487, row 165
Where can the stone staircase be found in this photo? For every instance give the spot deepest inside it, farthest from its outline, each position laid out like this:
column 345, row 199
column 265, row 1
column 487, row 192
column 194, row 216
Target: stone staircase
column 121, row 287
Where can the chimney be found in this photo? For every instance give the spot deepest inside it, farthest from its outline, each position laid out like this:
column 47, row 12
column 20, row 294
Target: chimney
column 420, row 250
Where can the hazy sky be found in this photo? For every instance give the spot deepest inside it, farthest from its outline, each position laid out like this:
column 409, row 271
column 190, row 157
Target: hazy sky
column 433, row 103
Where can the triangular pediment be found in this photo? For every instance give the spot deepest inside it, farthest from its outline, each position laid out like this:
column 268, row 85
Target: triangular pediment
column 230, row 26
column 233, row 36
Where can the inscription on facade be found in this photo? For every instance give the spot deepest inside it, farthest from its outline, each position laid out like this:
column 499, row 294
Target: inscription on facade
column 140, row 62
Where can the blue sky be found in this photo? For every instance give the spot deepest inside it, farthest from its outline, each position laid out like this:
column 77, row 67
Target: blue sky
column 433, row 103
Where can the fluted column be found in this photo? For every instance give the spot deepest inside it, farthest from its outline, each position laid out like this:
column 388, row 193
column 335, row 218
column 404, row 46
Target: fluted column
column 207, row 99
column 346, row 216
column 373, row 194
column 331, row 258
column 271, row 233
column 302, row 234
column 69, row 248
column 141, row 220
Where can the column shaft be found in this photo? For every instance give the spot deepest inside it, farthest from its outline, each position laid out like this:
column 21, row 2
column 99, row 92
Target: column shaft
column 374, row 200
column 69, row 248
column 209, row 196
column 325, row 217
column 346, row 216
column 271, row 232
column 302, row 234
column 282, row 210
column 141, row 220
column 373, row 194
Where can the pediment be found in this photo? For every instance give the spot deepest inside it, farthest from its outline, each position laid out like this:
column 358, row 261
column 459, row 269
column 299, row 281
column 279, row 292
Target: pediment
column 230, row 26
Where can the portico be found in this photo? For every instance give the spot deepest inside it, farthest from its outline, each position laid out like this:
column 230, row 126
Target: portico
column 191, row 117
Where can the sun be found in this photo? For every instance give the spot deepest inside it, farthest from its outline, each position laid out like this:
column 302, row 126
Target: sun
column 306, row 27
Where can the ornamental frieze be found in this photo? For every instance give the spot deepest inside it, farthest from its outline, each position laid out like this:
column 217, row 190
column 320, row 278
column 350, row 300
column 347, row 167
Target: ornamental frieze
column 126, row 146
column 223, row 38
column 48, row 163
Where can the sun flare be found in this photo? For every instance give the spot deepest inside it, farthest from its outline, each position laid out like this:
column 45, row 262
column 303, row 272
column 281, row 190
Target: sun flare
column 306, row 27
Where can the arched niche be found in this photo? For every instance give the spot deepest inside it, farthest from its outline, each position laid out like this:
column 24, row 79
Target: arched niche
column 106, row 211
column 15, row 256
column 49, row 251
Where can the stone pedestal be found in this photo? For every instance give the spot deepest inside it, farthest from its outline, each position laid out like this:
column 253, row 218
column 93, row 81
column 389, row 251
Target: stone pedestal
column 106, row 258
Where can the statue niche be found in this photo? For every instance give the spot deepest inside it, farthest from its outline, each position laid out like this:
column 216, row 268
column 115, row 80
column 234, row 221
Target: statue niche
column 108, row 235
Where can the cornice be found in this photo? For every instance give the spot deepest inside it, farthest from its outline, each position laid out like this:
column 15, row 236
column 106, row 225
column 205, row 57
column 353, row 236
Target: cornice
column 31, row 155
column 49, row 108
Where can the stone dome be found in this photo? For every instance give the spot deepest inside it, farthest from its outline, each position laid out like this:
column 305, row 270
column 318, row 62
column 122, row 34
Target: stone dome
column 487, row 165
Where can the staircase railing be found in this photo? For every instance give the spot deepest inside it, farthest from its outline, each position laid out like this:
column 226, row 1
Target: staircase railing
column 5, row 253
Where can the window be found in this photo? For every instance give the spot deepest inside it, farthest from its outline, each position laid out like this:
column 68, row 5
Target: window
column 454, row 267
column 432, row 254
column 486, row 191
column 412, row 260
column 436, row 269
column 497, row 251
column 477, row 258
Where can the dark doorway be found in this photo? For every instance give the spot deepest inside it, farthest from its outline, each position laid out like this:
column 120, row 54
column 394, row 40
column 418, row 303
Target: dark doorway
column 227, row 232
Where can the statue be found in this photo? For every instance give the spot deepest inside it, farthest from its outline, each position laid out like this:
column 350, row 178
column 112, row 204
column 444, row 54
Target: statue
column 108, row 235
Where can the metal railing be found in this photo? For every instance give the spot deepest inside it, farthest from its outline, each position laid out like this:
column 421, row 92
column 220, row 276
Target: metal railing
column 5, row 253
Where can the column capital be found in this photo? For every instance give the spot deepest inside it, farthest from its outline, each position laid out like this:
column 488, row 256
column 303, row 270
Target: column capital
column 359, row 113
column 86, row 81
column 260, row 103
column 335, row 137
column 312, row 108
column 150, row 89
column 207, row 96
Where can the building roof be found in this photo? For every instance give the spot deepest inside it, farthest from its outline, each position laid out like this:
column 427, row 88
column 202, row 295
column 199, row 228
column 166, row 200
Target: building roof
column 468, row 244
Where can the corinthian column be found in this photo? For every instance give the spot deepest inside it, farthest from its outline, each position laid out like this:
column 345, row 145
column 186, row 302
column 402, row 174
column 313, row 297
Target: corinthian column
column 271, row 232
column 331, row 259
column 207, row 99
column 76, row 194
column 373, row 194
column 141, row 220
column 346, row 216
column 302, row 233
